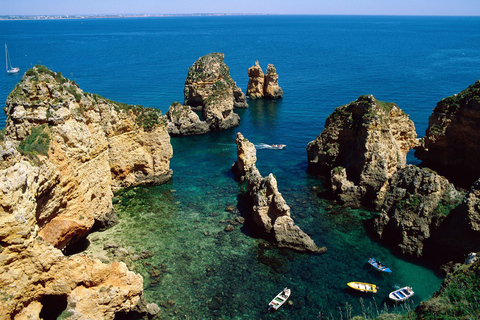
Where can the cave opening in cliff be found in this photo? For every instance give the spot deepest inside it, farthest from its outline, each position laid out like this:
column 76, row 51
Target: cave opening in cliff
column 53, row 306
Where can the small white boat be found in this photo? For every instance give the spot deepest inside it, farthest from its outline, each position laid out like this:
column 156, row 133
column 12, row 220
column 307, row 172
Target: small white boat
column 8, row 64
column 279, row 300
column 278, row 146
column 401, row 294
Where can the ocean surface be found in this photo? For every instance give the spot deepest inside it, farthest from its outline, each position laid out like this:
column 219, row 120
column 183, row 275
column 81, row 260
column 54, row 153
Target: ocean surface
column 199, row 271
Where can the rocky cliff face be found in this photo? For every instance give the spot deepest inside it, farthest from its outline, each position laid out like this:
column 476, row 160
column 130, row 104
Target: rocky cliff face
column 183, row 121
column 270, row 211
column 210, row 88
column 459, row 232
column 74, row 149
column 263, row 86
column 418, row 201
column 450, row 145
column 363, row 144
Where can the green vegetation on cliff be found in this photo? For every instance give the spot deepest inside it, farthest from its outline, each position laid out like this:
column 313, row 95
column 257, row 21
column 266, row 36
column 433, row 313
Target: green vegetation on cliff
column 37, row 143
column 459, row 297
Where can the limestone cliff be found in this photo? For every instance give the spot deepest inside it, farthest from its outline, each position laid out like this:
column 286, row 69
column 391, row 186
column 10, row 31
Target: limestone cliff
column 363, row 144
column 209, row 85
column 65, row 152
column 256, row 82
column 263, row 86
column 450, row 145
column 183, row 121
column 459, row 232
column 270, row 212
column 418, row 201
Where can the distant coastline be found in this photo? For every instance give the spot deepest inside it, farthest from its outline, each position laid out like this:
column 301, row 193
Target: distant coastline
column 111, row 16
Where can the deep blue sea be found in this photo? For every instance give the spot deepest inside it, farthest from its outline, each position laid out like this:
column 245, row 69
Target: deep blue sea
column 198, row 271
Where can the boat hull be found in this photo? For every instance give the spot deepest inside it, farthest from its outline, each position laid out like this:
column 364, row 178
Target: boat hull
column 401, row 294
column 13, row 70
column 377, row 265
column 363, row 287
column 279, row 299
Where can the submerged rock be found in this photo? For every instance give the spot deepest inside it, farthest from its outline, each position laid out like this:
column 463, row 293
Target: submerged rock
column 263, row 86
column 450, row 145
column 363, row 145
column 270, row 211
column 70, row 150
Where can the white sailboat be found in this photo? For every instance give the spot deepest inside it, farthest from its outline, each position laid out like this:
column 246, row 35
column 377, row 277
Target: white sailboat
column 8, row 64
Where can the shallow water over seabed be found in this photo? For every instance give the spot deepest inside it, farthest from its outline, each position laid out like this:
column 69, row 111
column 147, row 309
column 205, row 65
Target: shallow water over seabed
column 193, row 268
column 200, row 271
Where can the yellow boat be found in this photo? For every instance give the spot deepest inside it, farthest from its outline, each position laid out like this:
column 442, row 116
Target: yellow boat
column 362, row 286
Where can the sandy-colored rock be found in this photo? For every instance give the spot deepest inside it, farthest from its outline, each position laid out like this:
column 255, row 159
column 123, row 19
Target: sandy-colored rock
column 370, row 139
column 203, row 74
column 91, row 289
column 246, row 156
column 270, row 212
column 263, row 86
column 183, row 121
column 271, row 88
column 84, row 146
column 218, row 108
column 256, row 82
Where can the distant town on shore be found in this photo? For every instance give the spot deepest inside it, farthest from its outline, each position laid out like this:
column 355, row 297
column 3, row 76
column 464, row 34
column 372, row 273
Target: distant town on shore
column 104, row 16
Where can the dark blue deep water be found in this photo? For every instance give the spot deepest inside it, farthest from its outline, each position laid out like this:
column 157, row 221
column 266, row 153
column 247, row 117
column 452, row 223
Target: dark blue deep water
column 198, row 271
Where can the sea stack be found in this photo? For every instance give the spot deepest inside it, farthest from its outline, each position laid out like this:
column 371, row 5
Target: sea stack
column 210, row 89
column 64, row 152
column 270, row 212
column 263, row 86
column 363, row 144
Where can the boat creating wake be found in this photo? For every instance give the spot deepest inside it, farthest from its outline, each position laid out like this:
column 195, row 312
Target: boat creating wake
column 268, row 146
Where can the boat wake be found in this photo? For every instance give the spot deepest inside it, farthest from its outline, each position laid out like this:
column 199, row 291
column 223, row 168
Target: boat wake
column 269, row 146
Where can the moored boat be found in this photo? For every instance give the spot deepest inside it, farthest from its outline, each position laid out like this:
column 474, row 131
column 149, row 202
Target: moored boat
column 378, row 265
column 363, row 287
column 10, row 69
column 279, row 300
column 401, row 294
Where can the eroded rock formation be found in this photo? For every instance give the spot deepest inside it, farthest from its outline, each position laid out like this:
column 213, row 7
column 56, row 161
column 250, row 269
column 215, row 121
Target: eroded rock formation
column 65, row 152
column 363, row 145
column 209, row 88
column 417, row 202
column 459, row 233
column 270, row 211
column 450, row 145
column 183, row 121
column 263, row 86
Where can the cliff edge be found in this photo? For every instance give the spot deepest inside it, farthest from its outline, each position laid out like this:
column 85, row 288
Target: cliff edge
column 363, row 145
column 450, row 145
column 63, row 153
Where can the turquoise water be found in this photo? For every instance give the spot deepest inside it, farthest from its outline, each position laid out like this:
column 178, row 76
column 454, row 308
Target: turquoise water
column 323, row 62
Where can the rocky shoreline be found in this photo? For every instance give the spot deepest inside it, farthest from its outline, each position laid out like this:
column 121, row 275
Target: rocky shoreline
column 362, row 155
column 64, row 152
